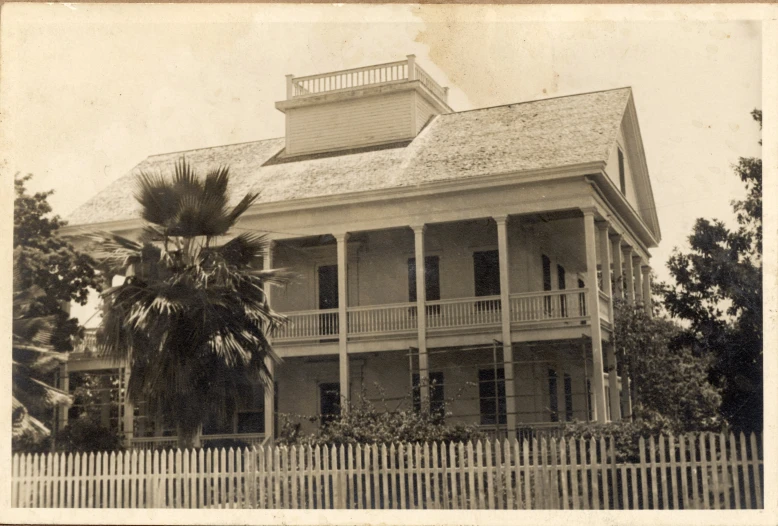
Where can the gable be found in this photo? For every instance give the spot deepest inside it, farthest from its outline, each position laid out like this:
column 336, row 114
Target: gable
column 637, row 185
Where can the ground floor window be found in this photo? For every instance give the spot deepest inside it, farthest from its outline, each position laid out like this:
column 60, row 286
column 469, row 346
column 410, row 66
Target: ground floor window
column 553, row 401
column 329, row 401
column 437, row 394
column 568, row 397
column 491, row 395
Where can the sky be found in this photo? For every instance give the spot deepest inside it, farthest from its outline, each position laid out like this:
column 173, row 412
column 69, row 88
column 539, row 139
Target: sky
column 89, row 91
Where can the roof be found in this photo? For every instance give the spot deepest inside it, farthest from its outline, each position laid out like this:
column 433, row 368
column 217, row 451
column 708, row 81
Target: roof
column 546, row 133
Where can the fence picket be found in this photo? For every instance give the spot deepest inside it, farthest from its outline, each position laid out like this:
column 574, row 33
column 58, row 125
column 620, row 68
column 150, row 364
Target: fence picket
column 528, row 502
column 726, row 481
column 748, row 503
column 573, row 462
column 755, row 464
column 454, row 466
column 384, row 478
column 563, row 473
column 553, row 472
column 507, row 474
column 704, row 473
column 489, row 478
column 643, row 474
column 376, row 492
column 714, row 471
column 480, row 470
column 735, row 471
column 604, row 475
column 427, row 476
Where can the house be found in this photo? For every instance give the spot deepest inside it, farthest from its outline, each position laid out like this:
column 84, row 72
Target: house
column 529, row 219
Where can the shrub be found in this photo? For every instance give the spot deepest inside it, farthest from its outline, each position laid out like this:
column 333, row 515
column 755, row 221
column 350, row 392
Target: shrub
column 84, row 434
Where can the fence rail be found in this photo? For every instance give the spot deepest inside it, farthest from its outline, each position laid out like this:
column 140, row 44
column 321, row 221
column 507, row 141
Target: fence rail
column 706, row 471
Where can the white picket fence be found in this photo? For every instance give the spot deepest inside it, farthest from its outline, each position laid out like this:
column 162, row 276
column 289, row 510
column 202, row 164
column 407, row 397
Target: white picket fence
column 707, row 471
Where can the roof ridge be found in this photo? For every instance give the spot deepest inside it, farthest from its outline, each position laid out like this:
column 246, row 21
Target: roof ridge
column 212, row 147
column 536, row 100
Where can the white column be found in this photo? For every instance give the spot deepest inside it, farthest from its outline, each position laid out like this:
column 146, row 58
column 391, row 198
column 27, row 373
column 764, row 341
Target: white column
column 629, row 279
column 421, row 315
column 411, row 67
column 647, row 289
column 345, row 386
column 270, row 394
column 638, row 280
column 507, row 344
column 598, row 383
column 605, row 262
column 618, row 267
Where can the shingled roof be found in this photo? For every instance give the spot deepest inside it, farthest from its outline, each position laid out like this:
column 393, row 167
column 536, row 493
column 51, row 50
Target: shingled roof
column 533, row 135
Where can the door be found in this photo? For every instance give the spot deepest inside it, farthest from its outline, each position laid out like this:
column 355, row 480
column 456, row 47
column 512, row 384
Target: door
column 328, row 299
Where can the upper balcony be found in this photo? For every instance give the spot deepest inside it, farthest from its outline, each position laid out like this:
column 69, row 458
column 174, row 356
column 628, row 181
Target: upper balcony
column 368, row 76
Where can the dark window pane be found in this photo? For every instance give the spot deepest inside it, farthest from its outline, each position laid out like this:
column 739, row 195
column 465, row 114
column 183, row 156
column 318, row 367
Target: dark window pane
column 431, row 278
column 486, row 269
column 329, row 397
column 552, row 398
column 491, row 394
column 568, row 397
column 251, row 422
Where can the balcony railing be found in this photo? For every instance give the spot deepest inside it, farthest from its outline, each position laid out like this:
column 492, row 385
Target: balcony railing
column 388, row 73
column 309, row 325
column 466, row 312
column 548, row 305
column 382, row 319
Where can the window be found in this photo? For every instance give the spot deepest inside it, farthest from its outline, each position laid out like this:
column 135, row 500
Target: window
column 561, row 281
column 589, row 401
column 568, row 397
column 582, row 298
column 328, row 299
column 622, row 175
column 251, row 411
column 431, row 283
column 491, row 395
column 553, row 402
column 437, row 396
column 546, row 261
column 486, row 270
column 329, row 401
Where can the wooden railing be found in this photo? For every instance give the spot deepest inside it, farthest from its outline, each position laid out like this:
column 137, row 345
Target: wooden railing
column 309, row 325
column 463, row 312
column 696, row 471
column 345, row 79
column 382, row 319
column 530, row 307
column 604, row 305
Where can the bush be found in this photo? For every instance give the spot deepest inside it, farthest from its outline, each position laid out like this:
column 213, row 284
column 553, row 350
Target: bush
column 626, row 434
column 364, row 423
column 84, row 434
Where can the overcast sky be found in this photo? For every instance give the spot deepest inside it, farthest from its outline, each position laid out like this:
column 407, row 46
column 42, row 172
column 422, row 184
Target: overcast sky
column 89, row 91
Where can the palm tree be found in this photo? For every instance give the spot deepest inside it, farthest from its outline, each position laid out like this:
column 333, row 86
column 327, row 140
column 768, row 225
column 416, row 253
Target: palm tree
column 34, row 361
column 191, row 319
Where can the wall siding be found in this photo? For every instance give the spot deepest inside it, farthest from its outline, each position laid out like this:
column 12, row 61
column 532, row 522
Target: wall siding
column 424, row 111
column 349, row 124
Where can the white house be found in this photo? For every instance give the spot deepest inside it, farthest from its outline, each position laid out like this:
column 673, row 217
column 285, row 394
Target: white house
column 523, row 214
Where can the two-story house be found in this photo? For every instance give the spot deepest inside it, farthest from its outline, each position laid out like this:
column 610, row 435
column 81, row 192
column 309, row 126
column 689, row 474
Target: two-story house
column 468, row 257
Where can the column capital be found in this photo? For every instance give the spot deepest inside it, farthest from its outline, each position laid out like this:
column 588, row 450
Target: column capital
column 627, row 249
column 589, row 211
column 603, row 225
column 645, row 269
column 419, row 228
column 501, row 219
column 616, row 236
column 341, row 236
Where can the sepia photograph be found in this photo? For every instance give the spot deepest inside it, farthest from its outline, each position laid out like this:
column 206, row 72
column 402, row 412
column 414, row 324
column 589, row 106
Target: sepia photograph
column 384, row 257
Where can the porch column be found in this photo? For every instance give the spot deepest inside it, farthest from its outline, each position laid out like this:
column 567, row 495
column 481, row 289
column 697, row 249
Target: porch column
column 505, row 304
column 598, row 383
column 270, row 394
column 629, row 279
column 129, row 409
column 638, row 280
column 605, row 263
column 618, row 267
column 345, row 387
column 64, row 385
column 421, row 315
column 647, row 289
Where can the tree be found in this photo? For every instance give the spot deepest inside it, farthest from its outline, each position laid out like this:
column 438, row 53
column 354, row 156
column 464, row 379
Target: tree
column 191, row 319
column 44, row 260
column 33, row 362
column 670, row 383
column 718, row 292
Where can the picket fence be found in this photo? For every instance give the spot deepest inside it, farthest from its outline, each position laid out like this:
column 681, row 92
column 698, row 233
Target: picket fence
column 702, row 471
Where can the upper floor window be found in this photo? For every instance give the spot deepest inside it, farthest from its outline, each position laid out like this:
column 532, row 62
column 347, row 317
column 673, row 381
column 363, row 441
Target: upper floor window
column 486, row 270
column 431, row 278
column 622, row 175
